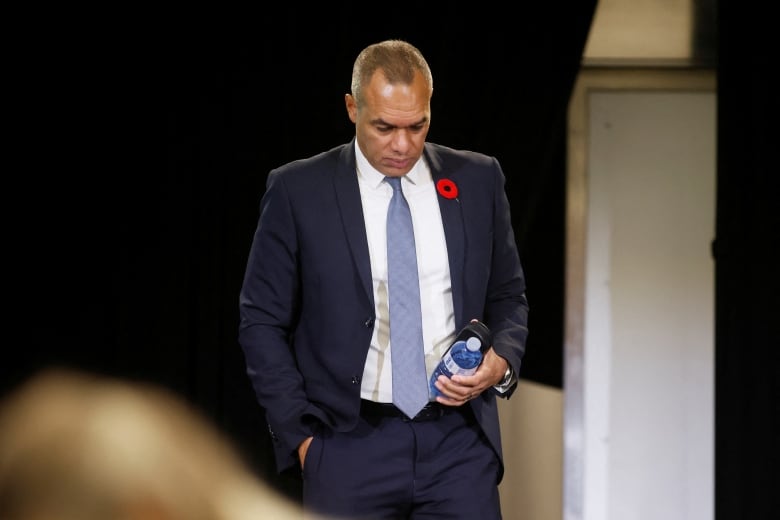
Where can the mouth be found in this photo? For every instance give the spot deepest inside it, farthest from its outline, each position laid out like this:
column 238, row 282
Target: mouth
column 398, row 164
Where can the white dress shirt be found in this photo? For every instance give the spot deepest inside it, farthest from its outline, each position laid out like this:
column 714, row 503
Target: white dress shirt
column 432, row 266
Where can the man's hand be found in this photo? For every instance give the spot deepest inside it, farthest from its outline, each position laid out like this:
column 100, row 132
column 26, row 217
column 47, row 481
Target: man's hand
column 303, row 448
column 459, row 389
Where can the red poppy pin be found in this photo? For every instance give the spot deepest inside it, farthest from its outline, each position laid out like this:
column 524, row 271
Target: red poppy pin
column 447, row 188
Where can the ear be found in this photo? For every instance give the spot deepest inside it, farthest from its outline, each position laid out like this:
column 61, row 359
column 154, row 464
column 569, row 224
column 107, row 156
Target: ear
column 351, row 107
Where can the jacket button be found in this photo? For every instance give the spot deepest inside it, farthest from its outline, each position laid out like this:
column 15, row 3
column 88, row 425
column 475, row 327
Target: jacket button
column 355, row 380
column 369, row 323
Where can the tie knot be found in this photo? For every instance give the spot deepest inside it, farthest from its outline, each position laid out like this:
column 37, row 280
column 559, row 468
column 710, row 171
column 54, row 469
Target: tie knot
column 395, row 182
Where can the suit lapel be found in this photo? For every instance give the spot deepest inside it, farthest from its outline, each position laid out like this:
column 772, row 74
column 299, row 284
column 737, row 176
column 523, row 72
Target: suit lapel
column 348, row 197
column 452, row 219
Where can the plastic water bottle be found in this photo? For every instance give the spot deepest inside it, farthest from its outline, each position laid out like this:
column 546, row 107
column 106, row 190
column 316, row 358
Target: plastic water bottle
column 462, row 358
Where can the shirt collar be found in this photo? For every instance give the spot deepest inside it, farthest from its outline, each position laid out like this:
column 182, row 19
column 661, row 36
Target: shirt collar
column 374, row 177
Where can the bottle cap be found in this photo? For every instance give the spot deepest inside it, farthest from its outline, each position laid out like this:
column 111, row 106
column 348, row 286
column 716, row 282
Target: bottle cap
column 473, row 344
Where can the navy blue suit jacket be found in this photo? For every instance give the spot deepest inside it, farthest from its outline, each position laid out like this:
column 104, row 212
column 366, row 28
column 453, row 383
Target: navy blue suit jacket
column 306, row 304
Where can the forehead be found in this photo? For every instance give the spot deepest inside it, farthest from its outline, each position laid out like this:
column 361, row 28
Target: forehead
column 397, row 100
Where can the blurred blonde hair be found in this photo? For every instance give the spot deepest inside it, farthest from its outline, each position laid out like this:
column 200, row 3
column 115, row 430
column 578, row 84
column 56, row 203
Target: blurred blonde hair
column 79, row 446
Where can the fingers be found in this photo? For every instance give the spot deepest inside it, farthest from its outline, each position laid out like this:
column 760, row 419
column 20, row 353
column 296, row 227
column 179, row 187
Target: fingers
column 455, row 392
column 468, row 397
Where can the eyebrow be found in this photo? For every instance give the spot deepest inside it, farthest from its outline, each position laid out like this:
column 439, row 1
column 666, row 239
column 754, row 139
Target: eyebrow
column 382, row 122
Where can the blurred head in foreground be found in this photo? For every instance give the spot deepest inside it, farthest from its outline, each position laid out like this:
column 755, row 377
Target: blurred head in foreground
column 77, row 446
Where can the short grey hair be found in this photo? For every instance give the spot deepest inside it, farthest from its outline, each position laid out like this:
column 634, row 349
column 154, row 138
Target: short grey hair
column 397, row 59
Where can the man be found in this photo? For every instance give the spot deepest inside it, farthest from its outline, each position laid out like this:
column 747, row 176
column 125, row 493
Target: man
column 317, row 317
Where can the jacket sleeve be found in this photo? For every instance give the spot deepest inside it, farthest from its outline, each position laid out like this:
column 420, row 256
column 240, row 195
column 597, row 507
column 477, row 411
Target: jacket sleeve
column 268, row 308
column 506, row 307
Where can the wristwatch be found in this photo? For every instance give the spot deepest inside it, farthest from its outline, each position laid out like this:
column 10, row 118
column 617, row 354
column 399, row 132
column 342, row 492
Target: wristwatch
column 507, row 377
column 504, row 384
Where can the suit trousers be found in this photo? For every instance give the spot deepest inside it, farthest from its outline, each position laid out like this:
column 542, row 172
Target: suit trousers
column 393, row 468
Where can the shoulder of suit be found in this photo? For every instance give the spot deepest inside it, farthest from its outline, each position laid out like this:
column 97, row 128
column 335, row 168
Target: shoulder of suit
column 444, row 154
column 310, row 169
column 314, row 161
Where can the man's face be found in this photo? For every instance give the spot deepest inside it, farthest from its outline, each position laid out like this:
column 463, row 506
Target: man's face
column 392, row 125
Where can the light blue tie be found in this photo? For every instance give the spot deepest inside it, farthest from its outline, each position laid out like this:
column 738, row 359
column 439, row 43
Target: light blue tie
column 410, row 383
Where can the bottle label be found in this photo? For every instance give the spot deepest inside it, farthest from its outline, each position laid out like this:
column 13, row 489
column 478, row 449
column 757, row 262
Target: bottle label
column 453, row 367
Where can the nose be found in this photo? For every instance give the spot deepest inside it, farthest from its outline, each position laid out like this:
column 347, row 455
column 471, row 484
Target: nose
column 401, row 140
